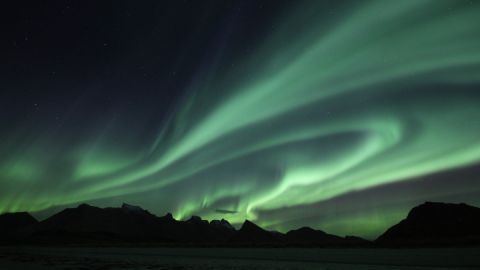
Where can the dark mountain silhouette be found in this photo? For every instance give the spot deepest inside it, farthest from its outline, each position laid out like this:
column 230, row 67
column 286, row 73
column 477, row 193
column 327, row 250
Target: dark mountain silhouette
column 16, row 226
column 89, row 222
column 197, row 230
column 15, row 221
column 426, row 224
column 223, row 224
column 129, row 223
column 250, row 233
column 306, row 236
column 309, row 235
column 434, row 223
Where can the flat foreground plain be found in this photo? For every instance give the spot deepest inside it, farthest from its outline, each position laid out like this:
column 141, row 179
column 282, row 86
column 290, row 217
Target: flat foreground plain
column 71, row 258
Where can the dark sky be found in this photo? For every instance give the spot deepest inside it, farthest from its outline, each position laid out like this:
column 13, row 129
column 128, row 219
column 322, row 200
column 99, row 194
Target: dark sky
column 340, row 115
column 127, row 56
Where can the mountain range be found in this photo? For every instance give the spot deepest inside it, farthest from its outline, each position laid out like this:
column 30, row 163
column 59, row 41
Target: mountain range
column 429, row 224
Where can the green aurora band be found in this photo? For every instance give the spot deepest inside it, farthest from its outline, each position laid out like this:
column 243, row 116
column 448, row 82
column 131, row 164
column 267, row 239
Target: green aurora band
column 378, row 93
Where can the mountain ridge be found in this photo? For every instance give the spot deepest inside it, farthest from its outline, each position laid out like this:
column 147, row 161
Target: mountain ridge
column 430, row 223
column 435, row 223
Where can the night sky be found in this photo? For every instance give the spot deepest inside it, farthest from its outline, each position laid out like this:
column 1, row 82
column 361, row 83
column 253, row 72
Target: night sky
column 339, row 115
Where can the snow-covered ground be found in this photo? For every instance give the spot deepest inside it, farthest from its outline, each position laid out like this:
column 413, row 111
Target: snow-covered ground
column 237, row 258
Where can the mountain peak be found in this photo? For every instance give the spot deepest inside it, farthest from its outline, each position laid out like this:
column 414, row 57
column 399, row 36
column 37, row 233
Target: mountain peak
column 252, row 233
column 248, row 225
column 439, row 209
column 168, row 216
column 132, row 208
column 435, row 223
column 308, row 229
column 85, row 205
column 307, row 235
column 197, row 220
column 222, row 224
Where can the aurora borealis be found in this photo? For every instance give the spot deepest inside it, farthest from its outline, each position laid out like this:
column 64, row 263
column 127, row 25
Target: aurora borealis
column 340, row 115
